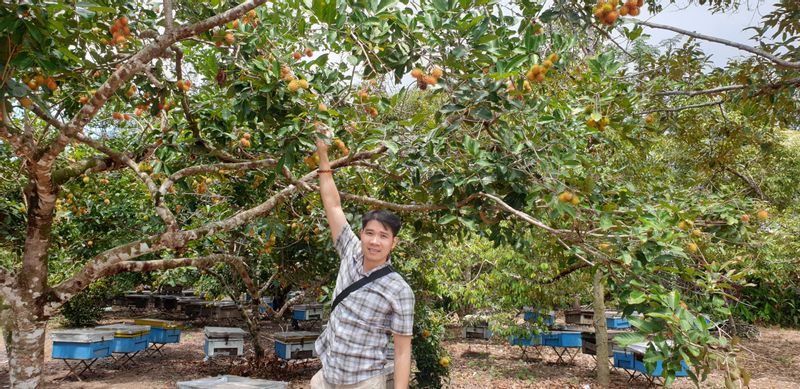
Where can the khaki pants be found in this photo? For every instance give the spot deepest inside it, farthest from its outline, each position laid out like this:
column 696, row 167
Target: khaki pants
column 377, row 382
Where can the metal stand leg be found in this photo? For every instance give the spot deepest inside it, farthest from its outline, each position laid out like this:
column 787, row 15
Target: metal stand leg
column 81, row 363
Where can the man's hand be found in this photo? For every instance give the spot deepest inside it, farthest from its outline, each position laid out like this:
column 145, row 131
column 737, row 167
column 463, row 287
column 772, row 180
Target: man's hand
column 324, row 136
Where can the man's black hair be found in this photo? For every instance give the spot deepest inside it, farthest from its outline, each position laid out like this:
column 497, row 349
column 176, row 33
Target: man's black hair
column 386, row 218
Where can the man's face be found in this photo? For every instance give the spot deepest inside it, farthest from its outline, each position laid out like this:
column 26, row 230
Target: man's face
column 377, row 241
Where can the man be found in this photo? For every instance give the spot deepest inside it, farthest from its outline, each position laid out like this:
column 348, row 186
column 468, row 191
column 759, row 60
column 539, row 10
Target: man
column 353, row 346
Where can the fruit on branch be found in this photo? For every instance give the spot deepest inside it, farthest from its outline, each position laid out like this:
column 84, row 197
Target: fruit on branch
column 26, row 102
column 322, row 107
column 230, row 38
column 565, row 197
column 308, row 52
column 437, row 72
column 692, row 248
column 762, row 215
column 745, row 218
column 649, row 119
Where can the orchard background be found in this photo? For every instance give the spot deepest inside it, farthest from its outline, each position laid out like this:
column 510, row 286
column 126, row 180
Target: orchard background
column 536, row 152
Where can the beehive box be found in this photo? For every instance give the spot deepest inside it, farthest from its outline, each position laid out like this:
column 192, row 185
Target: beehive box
column 196, row 308
column 530, row 340
column 165, row 302
column 137, row 300
column 162, row 331
column 530, row 314
column 81, row 343
column 623, row 360
column 617, row 323
column 225, row 341
column 218, row 310
column 476, row 331
column 562, row 339
column 307, row 312
column 589, row 342
column 579, row 316
column 231, row 382
column 637, row 351
column 128, row 338
column 295, row 344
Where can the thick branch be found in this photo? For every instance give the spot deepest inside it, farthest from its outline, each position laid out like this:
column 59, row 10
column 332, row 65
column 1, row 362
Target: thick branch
column 682, row 108
column 165, row 264
column 728, row 88
column 749, row 181
column 213, row 168
column 777, row 60
column 95, row 163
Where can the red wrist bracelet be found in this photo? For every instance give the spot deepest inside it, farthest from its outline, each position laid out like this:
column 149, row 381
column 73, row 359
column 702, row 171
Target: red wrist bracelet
column 325, row 171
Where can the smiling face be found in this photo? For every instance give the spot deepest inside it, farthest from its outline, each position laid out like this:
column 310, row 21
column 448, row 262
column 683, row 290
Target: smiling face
column 377, row 242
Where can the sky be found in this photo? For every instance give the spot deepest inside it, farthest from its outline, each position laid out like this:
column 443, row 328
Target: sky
column 722, row 25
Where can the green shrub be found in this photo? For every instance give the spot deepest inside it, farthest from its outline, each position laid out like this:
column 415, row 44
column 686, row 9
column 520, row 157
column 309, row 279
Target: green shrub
column 427, row 349
column 86, row 308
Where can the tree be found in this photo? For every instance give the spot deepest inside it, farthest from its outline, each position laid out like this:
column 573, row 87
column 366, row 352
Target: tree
column 183, row 137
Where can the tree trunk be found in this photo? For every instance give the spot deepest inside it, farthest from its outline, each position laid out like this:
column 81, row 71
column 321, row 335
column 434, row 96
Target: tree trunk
column 600, row 328
column 253, row 327
column 26, row 357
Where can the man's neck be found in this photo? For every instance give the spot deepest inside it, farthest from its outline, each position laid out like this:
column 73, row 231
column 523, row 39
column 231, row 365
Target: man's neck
column 369, row 265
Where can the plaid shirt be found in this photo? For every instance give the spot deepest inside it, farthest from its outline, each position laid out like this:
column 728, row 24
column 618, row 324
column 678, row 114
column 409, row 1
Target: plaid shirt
column 353, row 346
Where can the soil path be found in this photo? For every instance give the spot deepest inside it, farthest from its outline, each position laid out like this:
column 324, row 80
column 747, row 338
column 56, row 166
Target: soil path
column 774, row 361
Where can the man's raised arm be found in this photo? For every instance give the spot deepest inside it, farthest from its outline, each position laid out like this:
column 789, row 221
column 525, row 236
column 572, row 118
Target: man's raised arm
column 328, row 192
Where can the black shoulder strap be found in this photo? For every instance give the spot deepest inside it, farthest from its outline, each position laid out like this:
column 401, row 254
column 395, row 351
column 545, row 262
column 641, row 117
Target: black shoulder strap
column 360, row 283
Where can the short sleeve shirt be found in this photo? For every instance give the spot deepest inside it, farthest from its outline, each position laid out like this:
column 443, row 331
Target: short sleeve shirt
column 354, row 345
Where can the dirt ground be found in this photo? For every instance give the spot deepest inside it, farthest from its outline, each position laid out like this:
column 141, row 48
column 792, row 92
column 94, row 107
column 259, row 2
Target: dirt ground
column 774, row 361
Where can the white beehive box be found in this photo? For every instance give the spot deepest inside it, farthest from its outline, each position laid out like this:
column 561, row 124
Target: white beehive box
column 231, row 382
column 223, row 341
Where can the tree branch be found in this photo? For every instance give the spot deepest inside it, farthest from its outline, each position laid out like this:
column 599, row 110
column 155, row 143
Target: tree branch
column 682, row 108
column 728, row 88
column 777, row 60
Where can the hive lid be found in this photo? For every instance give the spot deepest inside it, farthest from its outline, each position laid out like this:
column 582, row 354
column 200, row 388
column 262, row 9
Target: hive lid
column 158, row 323
column 131, row 330
column 306, row 307
column 232, row 382
column 296, row 336
column 81, row 335
column 224, row 332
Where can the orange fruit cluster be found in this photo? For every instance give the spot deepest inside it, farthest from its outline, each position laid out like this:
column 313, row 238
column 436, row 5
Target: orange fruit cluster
column 294, row 85
column 184, row 85
column 250, row 18
column 631, row 7
column 423, row 80
column 537, row 72
column 120, row 31
column 120, row 116
column 341, row 146
column 606, row 12
column 598, row 124
column 40, row 81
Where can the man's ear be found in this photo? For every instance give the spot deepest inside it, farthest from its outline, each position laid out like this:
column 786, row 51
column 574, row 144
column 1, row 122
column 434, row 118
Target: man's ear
column 395, row 241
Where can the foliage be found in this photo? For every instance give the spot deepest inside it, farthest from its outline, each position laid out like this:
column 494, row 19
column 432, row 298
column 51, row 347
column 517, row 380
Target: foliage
column 86, row 308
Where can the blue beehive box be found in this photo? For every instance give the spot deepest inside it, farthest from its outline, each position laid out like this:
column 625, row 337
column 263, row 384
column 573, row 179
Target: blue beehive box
column 617, row 323
column 562, row 339
column 623, row 360
column 128, row 338
column 81, row 343
column 530, row 340
column 162, row 331
column 307, row 312
column 548, row 319
column 295, row 344
column 637, row 351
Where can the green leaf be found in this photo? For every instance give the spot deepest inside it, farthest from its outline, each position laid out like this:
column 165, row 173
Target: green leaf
column 447, row 219
column 629, row 338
